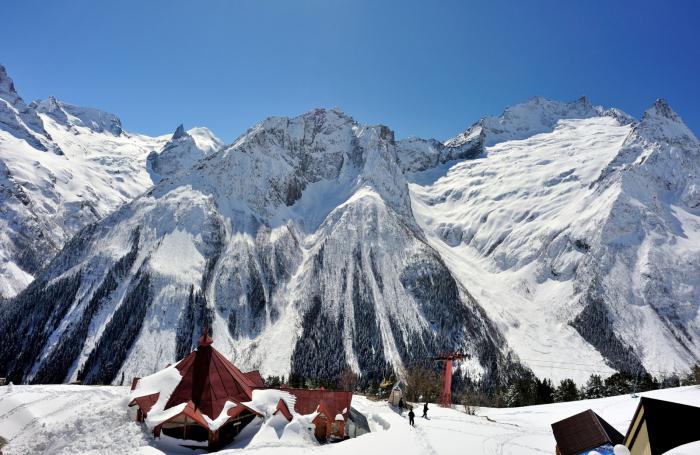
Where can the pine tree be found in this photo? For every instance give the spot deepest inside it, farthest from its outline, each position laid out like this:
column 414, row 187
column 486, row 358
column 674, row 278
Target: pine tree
column 566, row 391
column 670, row 381
column 273, row 382
column 512, row 397
column 594, row 388
column 618, row 384
column 693, row 378
column 544, row 391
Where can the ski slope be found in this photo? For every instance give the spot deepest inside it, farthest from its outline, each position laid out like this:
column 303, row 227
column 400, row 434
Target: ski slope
column 64, row 419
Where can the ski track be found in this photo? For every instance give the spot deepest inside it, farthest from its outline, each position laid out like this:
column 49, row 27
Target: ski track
column 424, row 441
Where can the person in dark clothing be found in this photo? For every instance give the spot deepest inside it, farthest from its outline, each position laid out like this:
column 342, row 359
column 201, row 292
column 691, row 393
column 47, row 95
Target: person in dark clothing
column 425, row 411
column 400, row 406
column 411, row 416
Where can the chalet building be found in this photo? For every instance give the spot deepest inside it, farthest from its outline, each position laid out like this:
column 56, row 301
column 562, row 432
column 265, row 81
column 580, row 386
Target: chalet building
column 585, row 432
column 331, row 409
column 204, row 401
column 658, row 426
column 206, row 406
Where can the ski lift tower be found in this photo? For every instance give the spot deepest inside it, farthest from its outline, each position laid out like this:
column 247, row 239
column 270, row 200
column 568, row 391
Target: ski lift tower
column 448, row 358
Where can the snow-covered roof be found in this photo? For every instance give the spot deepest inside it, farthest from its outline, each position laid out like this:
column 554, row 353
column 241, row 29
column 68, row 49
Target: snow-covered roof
column 204, row 385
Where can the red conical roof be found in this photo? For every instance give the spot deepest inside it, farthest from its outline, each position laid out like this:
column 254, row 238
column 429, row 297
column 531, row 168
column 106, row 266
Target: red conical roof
column 209, row 380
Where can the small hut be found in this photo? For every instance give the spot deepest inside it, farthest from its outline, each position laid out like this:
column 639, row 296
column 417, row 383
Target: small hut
column 585, row 432
column 659, row 426
column 199, row 400
column 331, row 409
column 397, row 393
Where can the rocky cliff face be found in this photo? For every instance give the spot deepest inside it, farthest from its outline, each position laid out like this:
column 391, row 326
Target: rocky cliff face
column 20, row 120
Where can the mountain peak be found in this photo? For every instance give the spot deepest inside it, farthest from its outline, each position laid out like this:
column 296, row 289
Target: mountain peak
column 19, row 119
column 307, row 127
column 536, row 115
column 583, row 101
column 179, row 132
column 661, row 121
column 7, row 88
column 70, row 115
column 661, row 108
column 324, row 116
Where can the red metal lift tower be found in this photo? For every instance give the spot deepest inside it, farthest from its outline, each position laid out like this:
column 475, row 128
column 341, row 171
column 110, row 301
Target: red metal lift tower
column 448, row 358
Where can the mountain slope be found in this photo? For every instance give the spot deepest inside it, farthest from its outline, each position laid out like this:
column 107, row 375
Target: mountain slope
column 313, row 245
column 62, row 167
column 583, row 239
column 645, row 263
column 297, row 244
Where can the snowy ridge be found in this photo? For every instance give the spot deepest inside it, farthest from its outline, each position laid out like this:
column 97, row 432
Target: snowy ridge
column 652, row 237
column 268, row 266
column 537, row 115
column 573, row 238
column 183, row 150
column 71, row 116
column 48, row 197
column 19, row 120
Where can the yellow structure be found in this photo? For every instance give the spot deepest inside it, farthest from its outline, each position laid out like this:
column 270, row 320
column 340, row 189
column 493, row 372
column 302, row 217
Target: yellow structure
column 659, row 426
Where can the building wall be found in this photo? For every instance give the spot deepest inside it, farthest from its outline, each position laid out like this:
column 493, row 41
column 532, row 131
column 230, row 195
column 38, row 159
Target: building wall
column 640, row 445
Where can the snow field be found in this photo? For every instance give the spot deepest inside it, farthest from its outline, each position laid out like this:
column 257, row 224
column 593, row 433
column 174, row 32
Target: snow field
column 63, row 419
column 492, row 220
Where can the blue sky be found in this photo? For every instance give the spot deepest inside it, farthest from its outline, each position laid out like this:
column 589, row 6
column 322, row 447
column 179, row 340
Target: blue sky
column 423, row 68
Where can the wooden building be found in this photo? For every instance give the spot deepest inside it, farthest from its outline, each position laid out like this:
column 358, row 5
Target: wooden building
column 658, row 426
column 206, row 406
column 205, row 401
column 332, row 409
column 585, row 432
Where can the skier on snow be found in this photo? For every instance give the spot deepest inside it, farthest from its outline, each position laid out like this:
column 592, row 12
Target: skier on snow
column 425, row 410
column 400, row 406
column 411, row 415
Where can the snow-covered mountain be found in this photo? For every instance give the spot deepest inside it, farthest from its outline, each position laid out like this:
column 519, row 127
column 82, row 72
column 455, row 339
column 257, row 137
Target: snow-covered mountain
column 315, row 244
column 182, row 151
column 297, row 243
column 583, row 237
column 62, row 167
